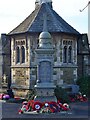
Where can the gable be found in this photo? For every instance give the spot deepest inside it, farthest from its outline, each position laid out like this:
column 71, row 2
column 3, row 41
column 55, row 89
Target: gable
column 34, row 22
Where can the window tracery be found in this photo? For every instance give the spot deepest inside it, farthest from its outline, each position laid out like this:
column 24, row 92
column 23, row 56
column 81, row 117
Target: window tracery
column 67, row 51
column 20, row 51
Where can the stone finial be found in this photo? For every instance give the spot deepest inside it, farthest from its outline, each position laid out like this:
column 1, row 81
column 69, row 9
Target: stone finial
column 39, row 2
column 43, row 1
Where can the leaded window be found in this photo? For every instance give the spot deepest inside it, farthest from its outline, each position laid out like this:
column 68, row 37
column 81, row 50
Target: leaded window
column 22, row 54
column 17, row 54
column 67, row 51
column 20, row 51
column 70, row 54
column 65, row 54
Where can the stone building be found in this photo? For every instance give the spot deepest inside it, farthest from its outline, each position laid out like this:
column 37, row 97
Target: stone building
column 24, row 40
column 5, row 61
column 83, row 59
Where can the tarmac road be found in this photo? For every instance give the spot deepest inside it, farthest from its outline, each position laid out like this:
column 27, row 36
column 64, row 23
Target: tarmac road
column 78, row 110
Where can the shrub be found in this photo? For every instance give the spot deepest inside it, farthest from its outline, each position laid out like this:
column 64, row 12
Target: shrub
column 30, row 94
column 61, row 94
column 84, row 84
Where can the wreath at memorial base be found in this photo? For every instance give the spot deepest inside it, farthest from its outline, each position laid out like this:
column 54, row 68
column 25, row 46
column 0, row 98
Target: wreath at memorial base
column 78, row 97
column 43, row 107
column 4, row 96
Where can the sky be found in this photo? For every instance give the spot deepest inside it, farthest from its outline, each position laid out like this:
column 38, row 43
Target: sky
column 13, row 12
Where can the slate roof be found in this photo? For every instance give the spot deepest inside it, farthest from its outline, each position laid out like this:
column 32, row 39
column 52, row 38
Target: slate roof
column 34, row 22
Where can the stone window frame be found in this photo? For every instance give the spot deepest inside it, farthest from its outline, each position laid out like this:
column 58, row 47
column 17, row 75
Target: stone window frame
column 67, row 43
column 22, row 51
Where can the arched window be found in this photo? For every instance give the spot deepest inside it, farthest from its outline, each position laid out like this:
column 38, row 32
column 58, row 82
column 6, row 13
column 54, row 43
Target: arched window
column 65, row 54
column 22, row 54
column 17, row 55
column 70, row 54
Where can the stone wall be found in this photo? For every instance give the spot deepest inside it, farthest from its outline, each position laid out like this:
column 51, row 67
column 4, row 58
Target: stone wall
column 68, row 76
column 20, row 77
column 25, row 75
column 80, row 65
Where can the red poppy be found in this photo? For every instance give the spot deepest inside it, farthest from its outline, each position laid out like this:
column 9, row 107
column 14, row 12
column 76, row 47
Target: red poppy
column 66, row 107
column 81, row 99
column 1, row 96
column 37, row 105
column 85, row 98
column 29, row 104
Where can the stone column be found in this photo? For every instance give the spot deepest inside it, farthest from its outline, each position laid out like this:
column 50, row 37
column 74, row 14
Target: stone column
column 45, row 85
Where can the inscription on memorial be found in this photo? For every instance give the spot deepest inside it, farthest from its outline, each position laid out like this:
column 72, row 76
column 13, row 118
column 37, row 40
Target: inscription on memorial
column 45, row 71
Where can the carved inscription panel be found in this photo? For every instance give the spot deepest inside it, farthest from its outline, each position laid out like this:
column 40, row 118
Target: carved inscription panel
column 45, row 71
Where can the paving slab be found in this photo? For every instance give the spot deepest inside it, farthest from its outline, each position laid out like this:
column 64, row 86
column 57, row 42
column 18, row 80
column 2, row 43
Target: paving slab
column 78, row 110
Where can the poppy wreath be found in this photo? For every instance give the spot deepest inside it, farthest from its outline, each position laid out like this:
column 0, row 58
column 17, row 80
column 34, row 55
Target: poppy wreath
column 43, row 107
column 20, row 111
column 46, row 104
column 27, row 106
column 82, row 98
column 30, row 103
column 23, row 109
column 1, row 96
column 53, row 106
column 37, row 105
column 64, row 107
column 85, row 98
column 6, row 97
